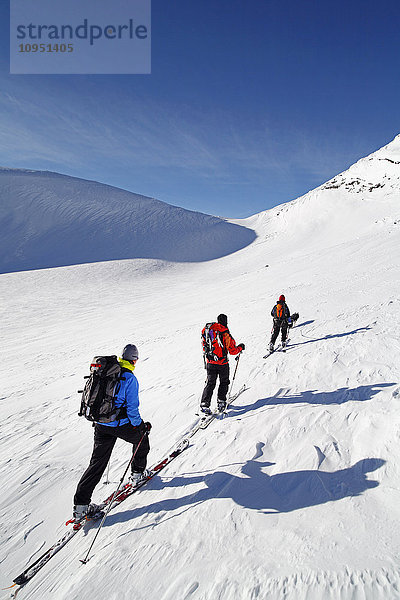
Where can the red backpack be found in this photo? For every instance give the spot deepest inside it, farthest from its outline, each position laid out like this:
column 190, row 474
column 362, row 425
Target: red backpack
column 213, row 345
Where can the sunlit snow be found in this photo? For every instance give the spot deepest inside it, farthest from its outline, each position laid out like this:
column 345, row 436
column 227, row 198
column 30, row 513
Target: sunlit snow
column 295, row 494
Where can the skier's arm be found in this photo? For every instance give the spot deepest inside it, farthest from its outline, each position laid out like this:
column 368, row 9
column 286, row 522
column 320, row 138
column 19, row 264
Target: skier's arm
column 132, row 400
column 230, row 344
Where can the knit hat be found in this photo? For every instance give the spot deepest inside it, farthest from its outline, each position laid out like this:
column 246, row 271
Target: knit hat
column 281, row 298
column 130, row 352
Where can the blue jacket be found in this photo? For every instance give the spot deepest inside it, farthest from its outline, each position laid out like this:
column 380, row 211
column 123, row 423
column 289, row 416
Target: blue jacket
column 128, row 395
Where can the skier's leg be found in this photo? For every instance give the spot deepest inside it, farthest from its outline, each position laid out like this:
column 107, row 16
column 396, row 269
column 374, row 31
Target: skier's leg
column 210, row 385
column 133, row 435
column 223, row 372
column 284, row 330
column 104, row 442
column 275, row 332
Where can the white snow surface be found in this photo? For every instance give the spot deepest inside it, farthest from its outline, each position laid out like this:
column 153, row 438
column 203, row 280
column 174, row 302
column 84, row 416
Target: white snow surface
column 295, row 494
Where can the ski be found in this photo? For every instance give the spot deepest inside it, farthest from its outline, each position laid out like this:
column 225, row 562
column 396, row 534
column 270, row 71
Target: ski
column 130, row 489
column 279, row 348
column 206, row 420
column 125, row 492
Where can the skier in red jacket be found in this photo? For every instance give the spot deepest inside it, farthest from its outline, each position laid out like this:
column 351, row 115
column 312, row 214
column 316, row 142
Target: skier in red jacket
column 217, row 344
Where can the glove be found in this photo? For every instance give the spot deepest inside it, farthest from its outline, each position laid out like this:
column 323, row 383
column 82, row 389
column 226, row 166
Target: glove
column 145, row 427
column 242, row 347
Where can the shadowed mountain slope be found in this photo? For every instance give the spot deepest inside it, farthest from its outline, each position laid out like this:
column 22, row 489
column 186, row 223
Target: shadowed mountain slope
column 50, row 220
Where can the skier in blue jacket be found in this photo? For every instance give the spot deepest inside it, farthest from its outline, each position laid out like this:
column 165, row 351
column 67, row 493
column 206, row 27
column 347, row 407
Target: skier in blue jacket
column 129, row 427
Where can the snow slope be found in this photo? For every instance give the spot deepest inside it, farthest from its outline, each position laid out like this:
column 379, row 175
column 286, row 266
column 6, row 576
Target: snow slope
column 50, row 220
column 295, row 494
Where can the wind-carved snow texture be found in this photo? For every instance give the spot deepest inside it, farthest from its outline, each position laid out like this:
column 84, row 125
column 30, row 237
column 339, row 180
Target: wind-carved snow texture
column 49, row 220
column 295, row 493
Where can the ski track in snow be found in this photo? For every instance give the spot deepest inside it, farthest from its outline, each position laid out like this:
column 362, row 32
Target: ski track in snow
column 295, row 494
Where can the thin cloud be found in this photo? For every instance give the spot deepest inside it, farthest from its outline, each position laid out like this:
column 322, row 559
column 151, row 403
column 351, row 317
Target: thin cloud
column 220, row 146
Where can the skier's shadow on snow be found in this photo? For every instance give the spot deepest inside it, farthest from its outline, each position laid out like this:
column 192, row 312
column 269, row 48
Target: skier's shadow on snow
column 256, row 490
column 330, row 336
column 361, row 393
column 304, row 323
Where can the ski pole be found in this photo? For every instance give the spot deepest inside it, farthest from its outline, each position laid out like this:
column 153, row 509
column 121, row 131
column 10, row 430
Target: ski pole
column 85, row 560
column 107, row 481
column 234, row 374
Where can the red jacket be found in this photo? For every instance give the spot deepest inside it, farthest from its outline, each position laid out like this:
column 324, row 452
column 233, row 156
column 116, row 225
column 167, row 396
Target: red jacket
column 224, row 344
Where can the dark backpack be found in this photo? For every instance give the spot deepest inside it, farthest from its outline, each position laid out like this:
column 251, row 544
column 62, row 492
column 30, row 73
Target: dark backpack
column 213, row 346
column 98, row 396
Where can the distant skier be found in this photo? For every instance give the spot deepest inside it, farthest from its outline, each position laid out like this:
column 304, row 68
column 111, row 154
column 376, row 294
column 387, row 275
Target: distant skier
column 217, row 344
column 129, row 427
column 281, row 316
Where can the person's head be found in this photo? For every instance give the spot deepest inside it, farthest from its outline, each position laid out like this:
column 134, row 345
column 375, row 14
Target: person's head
column 223, row 320
column 281, row 298
column 130, row 353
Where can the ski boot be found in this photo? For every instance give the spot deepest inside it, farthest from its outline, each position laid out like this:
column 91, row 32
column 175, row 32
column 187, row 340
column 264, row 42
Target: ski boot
column 82, row 512
column 137, row 477
column 86, row 511
column 221, row 406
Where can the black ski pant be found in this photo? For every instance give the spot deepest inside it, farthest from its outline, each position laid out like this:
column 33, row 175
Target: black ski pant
column 279, row 326
column 104, row 442
column 213, row 372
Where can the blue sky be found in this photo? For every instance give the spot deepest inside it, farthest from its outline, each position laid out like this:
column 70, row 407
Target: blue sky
column 250, row 103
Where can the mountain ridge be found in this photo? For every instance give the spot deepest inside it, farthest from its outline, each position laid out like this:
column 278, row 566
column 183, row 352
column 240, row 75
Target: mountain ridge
column 50, row 219
column 360, row 197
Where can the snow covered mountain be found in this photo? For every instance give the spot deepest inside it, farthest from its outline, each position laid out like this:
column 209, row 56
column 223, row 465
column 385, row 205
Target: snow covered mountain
column 51, row 220
column 295, row 493
column 362, row 200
